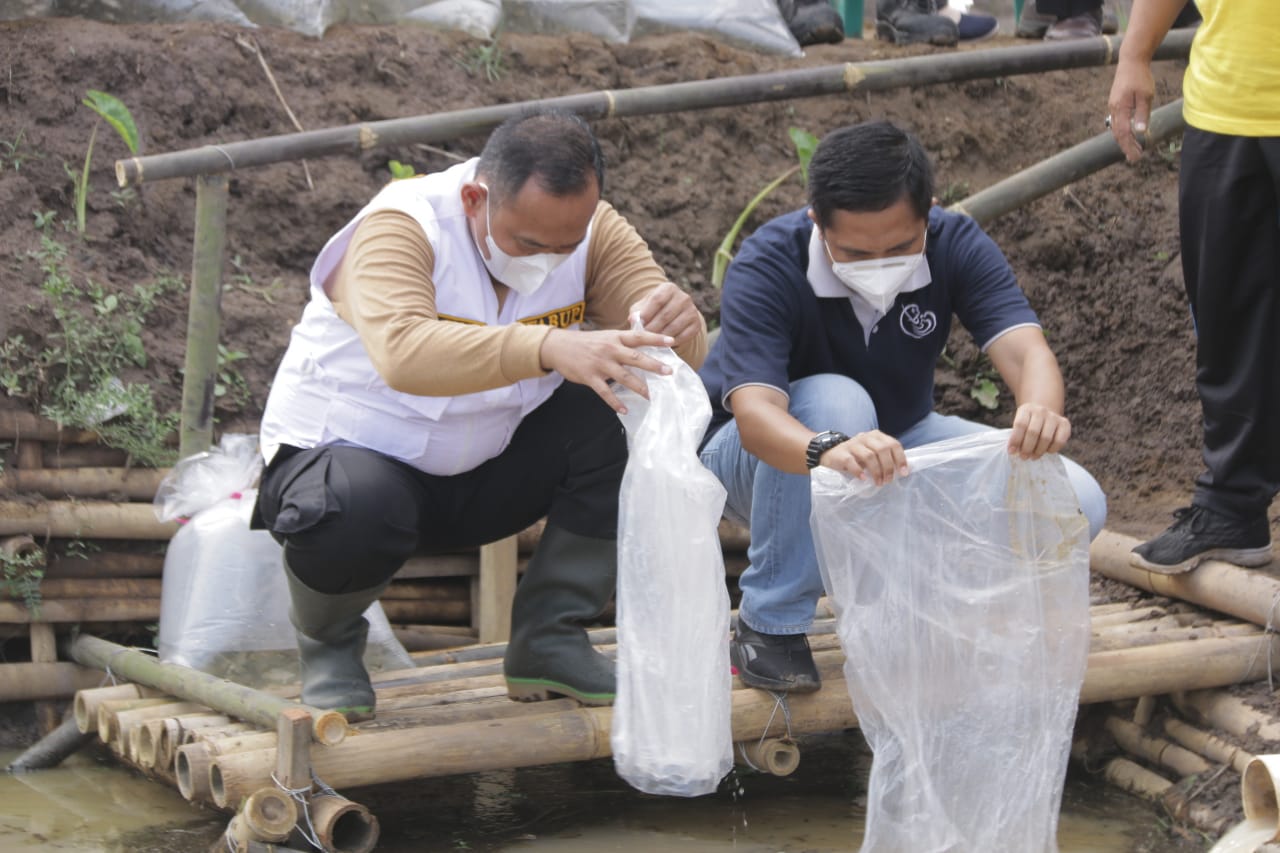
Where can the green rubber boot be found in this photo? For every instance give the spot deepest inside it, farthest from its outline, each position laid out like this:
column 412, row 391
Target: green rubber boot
column 331, row 633
column 568, row 582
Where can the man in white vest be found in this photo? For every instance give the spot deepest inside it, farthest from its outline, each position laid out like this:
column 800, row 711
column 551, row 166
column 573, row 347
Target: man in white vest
column 422, row 404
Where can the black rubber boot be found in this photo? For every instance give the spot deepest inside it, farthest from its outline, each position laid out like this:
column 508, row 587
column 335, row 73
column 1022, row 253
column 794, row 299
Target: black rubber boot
column 914, row 22
column 812, row 21
column 331, row 633
column 568, row 582
column 781, row 663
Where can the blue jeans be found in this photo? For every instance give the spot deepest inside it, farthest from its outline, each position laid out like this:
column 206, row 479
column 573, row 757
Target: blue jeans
column 782, row 584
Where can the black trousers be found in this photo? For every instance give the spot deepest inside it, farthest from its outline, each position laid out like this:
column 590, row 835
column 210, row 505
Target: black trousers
column 1067, row 8
column 349, row 517
column 1229, row 214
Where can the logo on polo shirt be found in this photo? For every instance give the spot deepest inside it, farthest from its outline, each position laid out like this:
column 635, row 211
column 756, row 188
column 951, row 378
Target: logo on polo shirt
column 917, row 323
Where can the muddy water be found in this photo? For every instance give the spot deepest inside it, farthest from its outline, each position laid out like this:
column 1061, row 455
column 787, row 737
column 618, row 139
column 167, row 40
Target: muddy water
column 91, row 804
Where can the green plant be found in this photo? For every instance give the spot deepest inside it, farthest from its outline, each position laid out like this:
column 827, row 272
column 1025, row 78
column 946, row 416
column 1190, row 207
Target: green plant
column 954, row 192
column 11, row 154
column 242, row 280
column 20, row 576
column 485, row 57
column 805, row 143
column 74, row 379
column 982, row 382
column 230, row 383
column 113, row 111
column 400, row 171
column 44, row 219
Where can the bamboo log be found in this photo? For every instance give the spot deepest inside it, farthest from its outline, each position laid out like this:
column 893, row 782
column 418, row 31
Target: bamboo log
column 29, row 454
column 424, row 638
column 85, row 456
column 1109, row 642
column 1064, row 168
column 1209, row 745
column 268, row 814
column 105, row 564
column 51, row 749
column 846, row 78
column 233, row 699
column 1138, row 780
column 1229, row 713
column 133, row 483
column 429, row 591
column 26, row 682
column 88, row 520
column 775, row 756
column 174, row 733
column 191, row 767
column 403, row 610
column 343, row 826
column 15, row 425
column 1243, row 593
column 85, row 706
column 1258, row 792
column 108, row 712
column 1132, row 739
column 20, row 548
column 1158, row 623
column 1123, row 617
column 105, row 588
column 1152, row 670
column 117, row 723
column 82, row 610
column 204, row 315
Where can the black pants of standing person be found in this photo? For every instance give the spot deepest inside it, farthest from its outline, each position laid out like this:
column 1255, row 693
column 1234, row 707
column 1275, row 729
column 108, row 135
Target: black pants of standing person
column 349, row 517
column 1229, row 214
column 1067, row 8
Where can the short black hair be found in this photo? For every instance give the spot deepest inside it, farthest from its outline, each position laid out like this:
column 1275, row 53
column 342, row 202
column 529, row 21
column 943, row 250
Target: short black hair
column 554, row 147
column 869, row 167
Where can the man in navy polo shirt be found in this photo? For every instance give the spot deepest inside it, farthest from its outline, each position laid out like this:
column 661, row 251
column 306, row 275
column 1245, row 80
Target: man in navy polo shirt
column 832, row 319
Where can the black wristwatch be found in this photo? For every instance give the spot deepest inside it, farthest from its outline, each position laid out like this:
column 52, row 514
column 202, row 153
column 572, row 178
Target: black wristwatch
column 820, row 444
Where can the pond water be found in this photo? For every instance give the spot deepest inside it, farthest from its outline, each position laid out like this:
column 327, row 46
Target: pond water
column 93, row 804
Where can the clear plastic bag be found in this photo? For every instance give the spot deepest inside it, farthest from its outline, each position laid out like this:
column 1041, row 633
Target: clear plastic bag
column 962, row 601
column 224, row 602
column 753, row 24
column 671, row 730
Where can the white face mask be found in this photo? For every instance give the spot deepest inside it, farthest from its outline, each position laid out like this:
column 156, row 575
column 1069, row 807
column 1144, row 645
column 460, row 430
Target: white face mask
column 878, row 281
column 523, row 274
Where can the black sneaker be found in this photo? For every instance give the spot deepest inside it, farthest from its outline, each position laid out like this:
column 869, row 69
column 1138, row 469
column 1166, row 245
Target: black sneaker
column 1201, row 534
column 774, row 661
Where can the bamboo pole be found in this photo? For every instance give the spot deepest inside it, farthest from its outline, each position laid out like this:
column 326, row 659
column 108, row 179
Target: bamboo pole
column 133, row 483
column 114, row 724
column 85, row 706
column 429, row 591
column 1101, row 621
column 17, row 426
column 575, row 735
column 1243, row 593
column 83, row 519
column 268, row 814
column 174, row 733
column 845, row 78
column 204, row 316
column 233, row 699
column 1229, row 713
column 106, row 564
column 1064, row 168
column 51, row 749
column 1106, row 642
column 103, row 588
column 1132, row 739
column 405, row 610
column 21, row 548
column 1258, row 792
column 1153, row 670
column 426, row 638
column 63, row 457
column 191, row 765
column 27, row 682
column 1135, row 779
column 343, row 826
column 104, row 720
column 83, row 610
column 1209, row 745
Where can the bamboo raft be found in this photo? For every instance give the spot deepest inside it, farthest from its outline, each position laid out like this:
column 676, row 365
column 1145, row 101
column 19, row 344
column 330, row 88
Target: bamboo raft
column 259, row 753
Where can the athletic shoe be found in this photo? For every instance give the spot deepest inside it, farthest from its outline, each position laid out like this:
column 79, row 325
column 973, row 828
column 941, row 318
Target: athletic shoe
column 1200, row 534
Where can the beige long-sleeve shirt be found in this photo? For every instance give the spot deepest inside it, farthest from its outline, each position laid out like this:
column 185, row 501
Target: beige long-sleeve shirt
column 384, row 289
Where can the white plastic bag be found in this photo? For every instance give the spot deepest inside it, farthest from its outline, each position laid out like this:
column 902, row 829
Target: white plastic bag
column 752, row 24
column 224, row 601
column 961, row 593
column 671, row 729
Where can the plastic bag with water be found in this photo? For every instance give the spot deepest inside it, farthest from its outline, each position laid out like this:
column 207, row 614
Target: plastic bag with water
column 224, row 601
column 671, row 731
column 961, row 593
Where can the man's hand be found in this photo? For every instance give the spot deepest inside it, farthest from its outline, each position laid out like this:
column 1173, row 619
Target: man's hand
column 1132, row 92
column 1038, row 430
column 868, row 456
column 596, row 358
column 668, row 310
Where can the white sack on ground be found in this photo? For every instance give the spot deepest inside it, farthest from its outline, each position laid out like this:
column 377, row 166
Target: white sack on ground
column 671, row 719
column 961, row 593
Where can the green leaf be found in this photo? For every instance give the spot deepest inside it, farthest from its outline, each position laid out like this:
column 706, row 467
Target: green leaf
column 400, row 171
column 806, row 143
column 116, row 114
column 986, row 393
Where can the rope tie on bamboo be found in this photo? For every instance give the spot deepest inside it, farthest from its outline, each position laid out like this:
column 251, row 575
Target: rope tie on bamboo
column 113, row 655
column 224, row 153
column 779, row 701
column 302, row 796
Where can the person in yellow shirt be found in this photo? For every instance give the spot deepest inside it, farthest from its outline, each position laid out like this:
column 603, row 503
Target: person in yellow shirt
column 1229, row 216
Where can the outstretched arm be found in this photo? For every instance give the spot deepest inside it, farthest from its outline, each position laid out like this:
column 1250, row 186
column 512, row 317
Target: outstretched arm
column 1028, row 367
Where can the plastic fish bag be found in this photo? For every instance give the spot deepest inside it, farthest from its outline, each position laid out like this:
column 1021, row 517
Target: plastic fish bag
column 962, row 602
column 671, row 729
column 224, row 601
